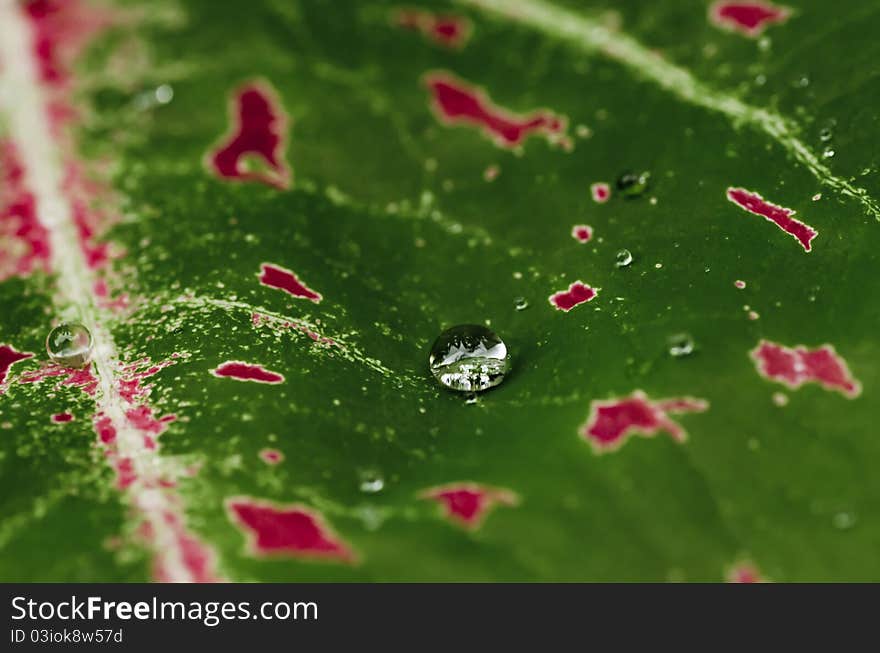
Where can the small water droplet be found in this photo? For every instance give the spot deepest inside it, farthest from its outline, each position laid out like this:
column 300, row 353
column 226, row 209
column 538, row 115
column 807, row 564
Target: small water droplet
column 469, row 358
column 370, row 480
column 828, row 153
column 843, row 521
column 632, row 184
column 164, row 94
column 680, row 345
column 826, row 134
column 471, row 399
column 70, row 345
column 521, row 303
column 624, row 258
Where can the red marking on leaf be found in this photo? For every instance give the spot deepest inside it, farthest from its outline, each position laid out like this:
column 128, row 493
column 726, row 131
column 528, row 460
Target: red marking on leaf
column 456, row 102
column 23, row 239
column 198, row 559
column 125, row 473
column 247, row 372
column 744, row 573
column 795, row 367
column 611, row 422
column 582, row 233
column 83, row 379
column 749, row 18
column 780, row 216
column 468, row 504
column 600, row 191
column 448, row 30
column 281, row 278
column 60, row 418
column 260, row 126
column 258, row 319
column 9, row 357
column 104, row 428
column 577, row 293
column 61, row 29
column 292, row 530
column 271, row 456
column 143, row 419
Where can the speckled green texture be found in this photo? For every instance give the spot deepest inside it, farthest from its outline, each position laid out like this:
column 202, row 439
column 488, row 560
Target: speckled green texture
column 390, row 218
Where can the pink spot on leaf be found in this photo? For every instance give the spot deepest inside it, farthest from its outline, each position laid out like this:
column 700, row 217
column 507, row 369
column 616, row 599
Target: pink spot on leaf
column 103, row 426
column 281, row 278
column 600, row 191
column 794, row 367
column 271, row 456
column 582, row 233
column 611, row 422
column 247, row 372
column 292, row 530
column 748, row 18
column 24, row 241
column 260, row 125
column 83, row 378
column 8, row 358
column 577, row 293
column 780, row 216
column 468, row 504
column 456, row 102
column 447, row 30
column 744, row 573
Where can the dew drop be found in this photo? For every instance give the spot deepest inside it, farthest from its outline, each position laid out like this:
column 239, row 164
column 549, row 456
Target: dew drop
column 164, row 94
column 632, row 184
column 370, row 480
column 826, row 134
column 521, row 303
column 843, row 521
column 828, row 153
column 680, row 345
column 469, row 358
column 69, row 345
column 624, row 258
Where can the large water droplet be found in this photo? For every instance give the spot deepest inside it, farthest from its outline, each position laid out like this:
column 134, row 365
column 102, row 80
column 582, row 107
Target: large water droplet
column 469, row 358
column 623, row 259
column 680, row 345
column 370, row 480
column 70, row 345
column 632, row 184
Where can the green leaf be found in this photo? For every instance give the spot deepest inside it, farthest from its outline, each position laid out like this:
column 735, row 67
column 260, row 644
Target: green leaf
column 398, row 221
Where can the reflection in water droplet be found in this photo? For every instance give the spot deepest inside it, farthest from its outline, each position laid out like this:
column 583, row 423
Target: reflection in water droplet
column 70, row 345
column 624, row 258
column 469, row 358
column 843, row 521
column 521, row 303
column 371, row 480
column 631, row 184
column 680, row 345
